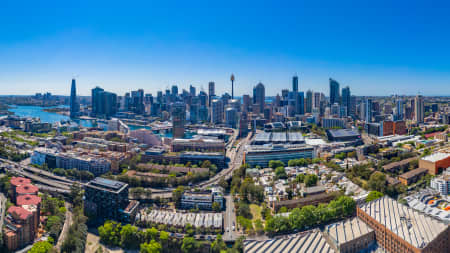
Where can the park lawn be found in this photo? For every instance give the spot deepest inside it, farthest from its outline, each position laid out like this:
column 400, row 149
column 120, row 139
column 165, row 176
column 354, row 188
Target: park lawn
column 256, row 212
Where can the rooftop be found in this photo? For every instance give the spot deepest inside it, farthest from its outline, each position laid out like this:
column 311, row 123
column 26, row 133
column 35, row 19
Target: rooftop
column 16, row 181
column 27, row 189
column 343, row 132
column 311, row 242
column 347, row 230
column 28, row 200
column 413, row 173
column 413, row 227
column 436, row 157
column 19, row 212
column 106, row 184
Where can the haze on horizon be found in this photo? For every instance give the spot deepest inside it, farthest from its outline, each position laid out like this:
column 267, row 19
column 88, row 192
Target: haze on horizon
column 377, row 48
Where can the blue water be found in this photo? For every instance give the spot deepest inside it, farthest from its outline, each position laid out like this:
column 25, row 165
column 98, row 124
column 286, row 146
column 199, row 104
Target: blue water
column 46, row 117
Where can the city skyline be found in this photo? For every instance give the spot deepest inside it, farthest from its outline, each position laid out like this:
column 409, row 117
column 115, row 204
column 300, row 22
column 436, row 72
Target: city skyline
column 369, row 48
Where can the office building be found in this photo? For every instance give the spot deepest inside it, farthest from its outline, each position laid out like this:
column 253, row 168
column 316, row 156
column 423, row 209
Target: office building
column 334, row 92
column 418, row 109
column 192, row 91
column 106, row 199
column 259, row 96
column 399, row 228
column 295, row 83
column 74, row 105
column 243, row 124
column 137, row 101
column 300, row 103
column 178, row 119
column 261, row 154
column 202, row 200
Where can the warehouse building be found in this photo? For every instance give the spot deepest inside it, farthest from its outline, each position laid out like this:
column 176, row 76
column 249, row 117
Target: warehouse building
column 261, row 154
column 312, row 241
column 352, row 235
column 399, row 228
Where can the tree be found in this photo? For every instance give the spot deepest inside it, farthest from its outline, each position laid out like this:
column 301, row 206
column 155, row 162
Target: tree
column 280, row 172
column 41, row 247
column 377, row 182
column 373, row 195
column 259, row 228
column 223, row 183
column 129, row 237
column 244, row 210
column 218, row 245
column 164, row 238
column 176, row 195
column 311, row 180
column 300, row 178
column 189, row 245
column 275, row 164
column 151, row 247
column 216, row 207
column 110, row 233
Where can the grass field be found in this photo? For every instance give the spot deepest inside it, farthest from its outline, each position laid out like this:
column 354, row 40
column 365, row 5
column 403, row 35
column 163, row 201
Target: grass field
column 256, row 211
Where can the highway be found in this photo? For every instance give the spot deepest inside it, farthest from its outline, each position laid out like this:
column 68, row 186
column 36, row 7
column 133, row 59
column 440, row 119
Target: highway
column 229, row 225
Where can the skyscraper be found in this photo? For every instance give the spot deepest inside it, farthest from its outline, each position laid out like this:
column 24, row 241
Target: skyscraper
column 174, row 90
column 192, row 91
column 74, row 105
column 295, row 83
column 137, row 101
column 334, row 92
column 418, row 109
column 178, row 119
column 399, row 110
column 368, row 110
column 96, row 100
column 217, row 111
column 232, row 86
column 309, row 101
column 104, row 103
column 346, row 99
column 259, row 96
column 212, row 91
column 300, row 102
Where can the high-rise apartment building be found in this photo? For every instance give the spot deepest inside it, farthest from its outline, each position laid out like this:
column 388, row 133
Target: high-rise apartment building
column 217, row 111
column 334, row 92
column 368, row 110
column 309, row 101
column 399, row 113
column 74, row 105
column 418, row 109
column 178, row 119
column 346, row 99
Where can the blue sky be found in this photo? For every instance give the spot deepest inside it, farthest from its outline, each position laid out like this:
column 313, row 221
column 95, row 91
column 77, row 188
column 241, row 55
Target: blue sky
column 375, row 47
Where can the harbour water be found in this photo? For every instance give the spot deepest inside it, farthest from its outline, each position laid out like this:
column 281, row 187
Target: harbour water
column 46, row 117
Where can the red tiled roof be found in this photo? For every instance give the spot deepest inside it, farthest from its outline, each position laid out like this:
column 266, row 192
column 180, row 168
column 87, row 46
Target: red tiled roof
column 28, row 200
column 16, row 181
column 20, row 212
column 27, row 189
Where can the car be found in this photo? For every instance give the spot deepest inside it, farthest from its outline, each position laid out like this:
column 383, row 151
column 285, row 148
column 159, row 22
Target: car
column 227, row 230
column 234, row 228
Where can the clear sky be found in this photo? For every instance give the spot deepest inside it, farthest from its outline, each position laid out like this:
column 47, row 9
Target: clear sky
column 376, row 47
